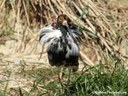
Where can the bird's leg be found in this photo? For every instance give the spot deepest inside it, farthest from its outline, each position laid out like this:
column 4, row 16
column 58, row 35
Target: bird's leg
column 60, row 77
column 41, row 53
column 62, row 72
column 69, row 75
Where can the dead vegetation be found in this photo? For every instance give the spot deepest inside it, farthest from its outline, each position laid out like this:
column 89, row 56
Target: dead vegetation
column 102, row 28
column 103, row 23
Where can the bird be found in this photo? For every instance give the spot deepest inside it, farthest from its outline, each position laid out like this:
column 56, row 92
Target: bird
column 62, row 41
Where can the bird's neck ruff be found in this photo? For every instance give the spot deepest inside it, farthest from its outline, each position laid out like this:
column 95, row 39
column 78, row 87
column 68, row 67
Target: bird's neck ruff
column 63, row 30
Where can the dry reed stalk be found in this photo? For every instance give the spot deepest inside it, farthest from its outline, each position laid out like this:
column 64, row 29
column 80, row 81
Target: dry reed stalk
column 2, row 4
column 26, row 12
column 89, row 62
column 84, row 13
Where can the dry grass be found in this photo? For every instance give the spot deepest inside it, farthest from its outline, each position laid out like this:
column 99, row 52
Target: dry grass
column 103, row 23
column 25, row 18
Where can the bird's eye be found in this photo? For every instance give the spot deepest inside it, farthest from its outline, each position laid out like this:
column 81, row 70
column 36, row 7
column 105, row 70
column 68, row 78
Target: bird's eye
column 61, row 18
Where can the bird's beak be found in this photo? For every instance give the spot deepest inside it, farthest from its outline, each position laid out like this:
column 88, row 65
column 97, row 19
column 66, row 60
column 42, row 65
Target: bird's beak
column 65, row 23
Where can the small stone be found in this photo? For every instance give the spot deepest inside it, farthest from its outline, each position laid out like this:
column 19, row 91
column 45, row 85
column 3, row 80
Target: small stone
column 17, row 61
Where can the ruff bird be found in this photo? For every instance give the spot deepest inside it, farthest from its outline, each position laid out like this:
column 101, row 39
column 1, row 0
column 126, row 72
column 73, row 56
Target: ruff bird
column 62, row 43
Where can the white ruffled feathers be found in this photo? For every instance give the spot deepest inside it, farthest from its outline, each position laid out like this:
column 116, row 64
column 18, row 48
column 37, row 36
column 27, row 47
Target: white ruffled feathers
column 51, row 36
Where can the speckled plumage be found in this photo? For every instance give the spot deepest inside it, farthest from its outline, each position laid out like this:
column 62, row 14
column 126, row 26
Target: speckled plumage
column 62, row 47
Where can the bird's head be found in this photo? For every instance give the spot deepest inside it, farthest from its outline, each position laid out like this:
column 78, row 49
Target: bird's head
column 63, row 24
column 63, row 20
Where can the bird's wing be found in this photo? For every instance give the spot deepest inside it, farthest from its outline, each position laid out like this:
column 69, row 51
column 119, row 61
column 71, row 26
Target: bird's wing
column 48, row 34
column 72, row 48
column 77, row 34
